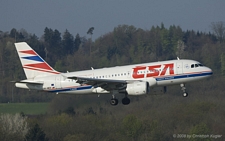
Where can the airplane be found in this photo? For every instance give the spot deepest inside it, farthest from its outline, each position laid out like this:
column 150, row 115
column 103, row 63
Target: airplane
column 136, row 79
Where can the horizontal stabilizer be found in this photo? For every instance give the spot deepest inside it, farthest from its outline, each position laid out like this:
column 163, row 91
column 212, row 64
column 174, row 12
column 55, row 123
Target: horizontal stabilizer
column 29, row 82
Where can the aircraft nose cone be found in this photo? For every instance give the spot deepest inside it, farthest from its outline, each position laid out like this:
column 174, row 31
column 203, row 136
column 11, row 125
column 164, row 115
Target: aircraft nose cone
column 210, row 71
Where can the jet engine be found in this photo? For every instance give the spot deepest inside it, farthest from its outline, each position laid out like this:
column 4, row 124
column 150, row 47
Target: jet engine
column 137, row 88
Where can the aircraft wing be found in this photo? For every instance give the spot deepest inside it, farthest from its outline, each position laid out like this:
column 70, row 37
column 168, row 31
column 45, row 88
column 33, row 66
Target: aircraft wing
column 107, row 84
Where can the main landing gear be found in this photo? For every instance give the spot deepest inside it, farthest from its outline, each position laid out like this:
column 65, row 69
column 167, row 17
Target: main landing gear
column 114, row 101
column 183, row 88
column 126, row 100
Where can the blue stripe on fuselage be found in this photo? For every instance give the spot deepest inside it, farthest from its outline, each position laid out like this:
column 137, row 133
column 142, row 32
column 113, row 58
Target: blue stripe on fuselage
column 183, row 76
column 72, row 89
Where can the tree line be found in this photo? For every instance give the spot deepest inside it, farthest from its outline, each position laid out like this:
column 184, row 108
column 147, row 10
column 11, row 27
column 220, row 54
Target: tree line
column 155, row 117
column 126, row 44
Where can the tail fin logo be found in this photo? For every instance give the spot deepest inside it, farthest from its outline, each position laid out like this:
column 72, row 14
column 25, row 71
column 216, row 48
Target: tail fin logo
column 40, row 66
column 32, row 63
column 29, row 52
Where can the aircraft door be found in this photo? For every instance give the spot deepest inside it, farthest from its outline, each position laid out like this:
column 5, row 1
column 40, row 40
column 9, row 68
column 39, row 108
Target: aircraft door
column 58, row 81
column 179, row 68
column 128, row 74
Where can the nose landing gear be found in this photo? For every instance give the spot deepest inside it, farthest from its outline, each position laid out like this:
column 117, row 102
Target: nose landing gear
column 183, row 88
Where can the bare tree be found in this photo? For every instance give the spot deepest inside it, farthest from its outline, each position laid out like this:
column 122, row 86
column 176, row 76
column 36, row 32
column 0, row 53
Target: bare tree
column 90, row 31
column 219, row 30
column 13, row 125
column 180, row 48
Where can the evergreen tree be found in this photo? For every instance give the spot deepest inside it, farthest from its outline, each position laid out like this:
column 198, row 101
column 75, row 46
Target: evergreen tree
column 36, row 134
column 67, row 43
column 77, row 42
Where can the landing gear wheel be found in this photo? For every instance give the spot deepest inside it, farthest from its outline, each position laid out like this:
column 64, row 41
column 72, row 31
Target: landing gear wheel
column 114, row 101
column 185, row 94
column 126, row 101
column 183, row 88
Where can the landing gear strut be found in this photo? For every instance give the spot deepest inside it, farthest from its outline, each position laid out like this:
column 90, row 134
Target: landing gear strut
column 183, row 88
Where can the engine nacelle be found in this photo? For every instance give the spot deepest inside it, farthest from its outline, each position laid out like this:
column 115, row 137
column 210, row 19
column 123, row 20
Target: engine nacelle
column 99, row 90
column 137, row 88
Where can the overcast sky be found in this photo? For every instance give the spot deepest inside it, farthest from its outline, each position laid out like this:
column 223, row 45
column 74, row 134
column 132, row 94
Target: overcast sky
column 79, row 15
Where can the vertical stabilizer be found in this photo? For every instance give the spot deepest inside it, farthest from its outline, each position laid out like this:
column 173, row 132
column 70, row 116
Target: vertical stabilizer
column 33, row 65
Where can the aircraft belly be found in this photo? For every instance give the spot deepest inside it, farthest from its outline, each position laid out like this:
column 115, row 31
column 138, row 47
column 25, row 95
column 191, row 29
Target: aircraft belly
column 89, row 91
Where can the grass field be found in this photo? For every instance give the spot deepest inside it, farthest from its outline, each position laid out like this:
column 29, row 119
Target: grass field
column 26, row 108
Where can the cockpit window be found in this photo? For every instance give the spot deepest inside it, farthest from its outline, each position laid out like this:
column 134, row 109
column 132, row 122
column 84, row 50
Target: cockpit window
column 196, row 65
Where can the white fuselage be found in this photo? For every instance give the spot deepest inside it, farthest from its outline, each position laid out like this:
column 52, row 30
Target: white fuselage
column 156, row 74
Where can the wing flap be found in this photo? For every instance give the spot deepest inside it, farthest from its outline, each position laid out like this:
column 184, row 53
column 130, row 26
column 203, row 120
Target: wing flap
column 94, row 80
column 107, row 84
